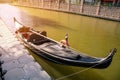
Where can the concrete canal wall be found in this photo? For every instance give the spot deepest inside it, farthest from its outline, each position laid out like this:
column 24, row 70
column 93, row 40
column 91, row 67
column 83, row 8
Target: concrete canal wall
column 15, row 61
column 94, row 9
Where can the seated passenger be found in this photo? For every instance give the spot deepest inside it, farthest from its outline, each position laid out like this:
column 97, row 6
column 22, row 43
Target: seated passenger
column 44, row 33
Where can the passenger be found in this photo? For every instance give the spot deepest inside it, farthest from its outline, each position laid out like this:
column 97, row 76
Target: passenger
column 43, row 33
column 64, row 43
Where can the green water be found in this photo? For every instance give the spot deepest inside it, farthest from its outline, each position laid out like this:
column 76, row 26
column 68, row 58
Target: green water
column 92, row 36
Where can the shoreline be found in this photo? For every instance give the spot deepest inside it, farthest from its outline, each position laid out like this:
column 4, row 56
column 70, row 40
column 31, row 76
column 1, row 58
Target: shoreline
column 76, row 13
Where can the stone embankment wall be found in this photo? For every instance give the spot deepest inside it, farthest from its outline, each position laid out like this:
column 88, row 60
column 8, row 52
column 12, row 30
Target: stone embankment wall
column 15, row 61
column 94, row 10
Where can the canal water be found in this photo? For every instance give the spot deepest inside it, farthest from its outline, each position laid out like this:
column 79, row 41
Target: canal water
column 89, row 35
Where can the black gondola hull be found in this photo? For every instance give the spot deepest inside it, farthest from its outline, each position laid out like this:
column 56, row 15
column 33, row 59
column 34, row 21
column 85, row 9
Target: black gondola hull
column 100, row 65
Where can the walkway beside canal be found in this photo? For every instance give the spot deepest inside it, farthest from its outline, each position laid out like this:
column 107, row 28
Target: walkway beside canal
column 17, row 61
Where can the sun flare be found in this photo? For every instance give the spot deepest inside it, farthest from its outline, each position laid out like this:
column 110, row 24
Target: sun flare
column 18, row 26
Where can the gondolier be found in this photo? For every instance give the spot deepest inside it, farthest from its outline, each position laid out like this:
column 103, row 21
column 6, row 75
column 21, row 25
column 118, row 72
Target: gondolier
column 65, row 43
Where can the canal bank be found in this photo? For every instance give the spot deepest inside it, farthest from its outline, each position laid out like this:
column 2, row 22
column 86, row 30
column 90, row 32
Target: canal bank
column 96, row 10
column 15, row 61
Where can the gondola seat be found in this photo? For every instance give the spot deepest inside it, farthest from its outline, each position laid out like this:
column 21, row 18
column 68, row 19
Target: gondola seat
column 36, row 39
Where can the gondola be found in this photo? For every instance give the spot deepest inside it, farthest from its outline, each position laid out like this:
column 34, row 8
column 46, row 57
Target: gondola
column 39, row 43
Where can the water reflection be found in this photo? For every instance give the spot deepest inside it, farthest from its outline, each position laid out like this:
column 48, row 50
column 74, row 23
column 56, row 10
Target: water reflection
column 57, row 71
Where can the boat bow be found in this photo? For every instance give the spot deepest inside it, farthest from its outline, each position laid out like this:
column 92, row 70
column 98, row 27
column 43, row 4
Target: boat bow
column 105, row 62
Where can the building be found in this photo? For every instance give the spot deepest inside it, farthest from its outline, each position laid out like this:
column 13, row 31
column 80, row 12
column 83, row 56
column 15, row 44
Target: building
column 5, row 1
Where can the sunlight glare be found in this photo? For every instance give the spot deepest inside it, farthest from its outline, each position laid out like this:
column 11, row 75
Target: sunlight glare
column 18, row 26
